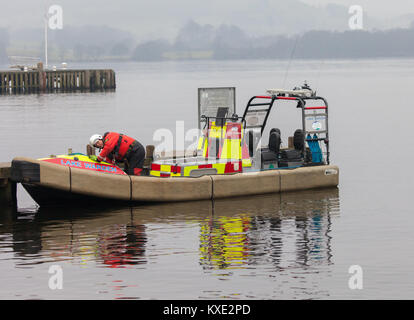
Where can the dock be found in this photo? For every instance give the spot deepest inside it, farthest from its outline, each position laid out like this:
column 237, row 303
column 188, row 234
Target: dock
column 39, row 80
column 7, row 187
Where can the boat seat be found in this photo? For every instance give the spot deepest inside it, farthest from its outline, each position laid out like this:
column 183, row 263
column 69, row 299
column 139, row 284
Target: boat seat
column 270, row 155
column 274, row 140
column 293, row 157
column 299, row 140
column 274, row 130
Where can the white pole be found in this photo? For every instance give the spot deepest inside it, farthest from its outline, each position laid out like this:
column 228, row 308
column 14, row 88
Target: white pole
column 46, row 27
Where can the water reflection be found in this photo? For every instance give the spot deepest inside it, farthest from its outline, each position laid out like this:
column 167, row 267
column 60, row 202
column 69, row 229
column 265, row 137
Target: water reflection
column 272, row 231
column 88, row 236
column 122, row 245
column 224, row 242
column 288, row 230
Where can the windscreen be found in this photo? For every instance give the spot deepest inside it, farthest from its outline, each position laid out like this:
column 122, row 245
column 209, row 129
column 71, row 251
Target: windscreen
column 211, row 99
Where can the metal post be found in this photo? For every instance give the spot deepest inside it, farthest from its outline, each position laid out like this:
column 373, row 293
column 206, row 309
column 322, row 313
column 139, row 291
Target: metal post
column 46, row 27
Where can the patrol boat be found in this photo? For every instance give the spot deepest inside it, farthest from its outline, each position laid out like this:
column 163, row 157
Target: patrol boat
column 230, row 160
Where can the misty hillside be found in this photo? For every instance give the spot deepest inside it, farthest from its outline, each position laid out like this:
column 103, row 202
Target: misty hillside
column 149, row 20
column 231, row 42
column 205, row 41
column 194, row 29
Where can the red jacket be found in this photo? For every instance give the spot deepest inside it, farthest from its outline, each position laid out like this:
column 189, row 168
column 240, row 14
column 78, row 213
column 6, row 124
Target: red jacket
column 111, row 141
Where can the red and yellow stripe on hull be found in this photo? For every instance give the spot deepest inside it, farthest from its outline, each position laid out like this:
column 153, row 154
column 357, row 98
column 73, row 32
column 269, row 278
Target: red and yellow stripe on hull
column 183, row 170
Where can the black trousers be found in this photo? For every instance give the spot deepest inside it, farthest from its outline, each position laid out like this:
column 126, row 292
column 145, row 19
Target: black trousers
column 135, row 158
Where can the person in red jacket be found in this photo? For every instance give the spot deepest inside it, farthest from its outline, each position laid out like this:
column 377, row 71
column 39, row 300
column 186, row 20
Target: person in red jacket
column 117, row 147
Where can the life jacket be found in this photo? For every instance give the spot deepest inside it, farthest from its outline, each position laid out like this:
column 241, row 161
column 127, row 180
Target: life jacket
column 116, row 145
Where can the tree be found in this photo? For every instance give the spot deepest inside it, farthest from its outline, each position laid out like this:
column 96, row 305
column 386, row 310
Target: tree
column 121, row 48
column 195, row 37
column 151, row 50
column 231, row 43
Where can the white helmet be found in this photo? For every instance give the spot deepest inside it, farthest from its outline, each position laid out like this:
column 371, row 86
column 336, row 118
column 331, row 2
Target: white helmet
column 94, row 139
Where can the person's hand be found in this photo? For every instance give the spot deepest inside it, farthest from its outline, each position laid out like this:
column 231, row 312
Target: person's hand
column 93, row 158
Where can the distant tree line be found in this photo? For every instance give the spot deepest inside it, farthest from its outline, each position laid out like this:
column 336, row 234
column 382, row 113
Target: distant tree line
column 230, row 42
column 93, row 42
column 196, row 41
column 74, row 43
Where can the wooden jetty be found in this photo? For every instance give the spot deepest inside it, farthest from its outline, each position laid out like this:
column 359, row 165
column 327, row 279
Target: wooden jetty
column 7, row 187
column 39, row 80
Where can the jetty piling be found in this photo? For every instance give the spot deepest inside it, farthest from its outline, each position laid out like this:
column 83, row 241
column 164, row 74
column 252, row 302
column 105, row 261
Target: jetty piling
column 7, row 187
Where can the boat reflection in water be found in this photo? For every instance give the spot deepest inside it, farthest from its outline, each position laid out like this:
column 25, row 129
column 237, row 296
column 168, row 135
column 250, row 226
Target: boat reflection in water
column 275, row 230
column 287, row 230
column 109, row 238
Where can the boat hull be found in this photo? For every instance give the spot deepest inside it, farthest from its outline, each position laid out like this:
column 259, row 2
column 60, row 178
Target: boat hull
column 50, row 197
column 53, row 183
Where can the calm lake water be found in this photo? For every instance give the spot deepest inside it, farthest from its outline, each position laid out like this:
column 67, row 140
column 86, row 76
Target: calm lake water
column 282, row 246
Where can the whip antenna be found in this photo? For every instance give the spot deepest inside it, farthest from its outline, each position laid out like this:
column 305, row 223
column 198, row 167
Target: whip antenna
column 290, row 60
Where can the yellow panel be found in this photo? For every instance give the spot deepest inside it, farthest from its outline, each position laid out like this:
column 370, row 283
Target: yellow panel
column 205, row 148
column 155, row 173
column 246, row 163
column 201, row 143
column 165, row 168
column 217, row 132
column 225, row 150
column 231, row 149
column 187, row 170
column 220, row 167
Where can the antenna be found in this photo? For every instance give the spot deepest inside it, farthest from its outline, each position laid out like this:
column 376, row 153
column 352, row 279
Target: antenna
column 319, row 73
column 290, row 60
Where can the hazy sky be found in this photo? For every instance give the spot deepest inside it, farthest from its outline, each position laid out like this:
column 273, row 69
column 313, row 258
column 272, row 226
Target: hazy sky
column 148, row 19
